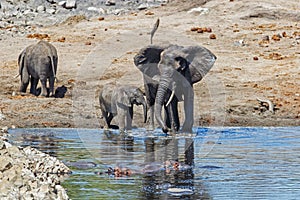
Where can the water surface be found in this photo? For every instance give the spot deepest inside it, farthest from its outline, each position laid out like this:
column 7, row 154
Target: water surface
column 226, row 163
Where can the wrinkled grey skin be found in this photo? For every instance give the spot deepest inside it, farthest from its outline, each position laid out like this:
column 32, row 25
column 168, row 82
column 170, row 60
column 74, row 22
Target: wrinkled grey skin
column 119, row 101
column 147, row 62
column 173, row 68
column 38, row 62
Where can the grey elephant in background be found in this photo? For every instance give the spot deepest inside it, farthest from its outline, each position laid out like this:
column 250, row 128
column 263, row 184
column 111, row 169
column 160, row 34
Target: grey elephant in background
column 38, row 62
column 119, row 101
column 169, row 74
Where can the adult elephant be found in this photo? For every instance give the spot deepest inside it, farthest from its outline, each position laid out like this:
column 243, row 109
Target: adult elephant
column 169, row 73
column 38, row 62
column 119, row 101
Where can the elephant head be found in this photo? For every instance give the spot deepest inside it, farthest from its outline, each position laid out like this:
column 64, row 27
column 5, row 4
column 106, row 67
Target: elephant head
column 131, row 95
column 180, row 67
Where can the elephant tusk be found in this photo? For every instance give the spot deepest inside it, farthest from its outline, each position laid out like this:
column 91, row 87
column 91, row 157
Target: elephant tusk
column 16, row 76
column 171, row 97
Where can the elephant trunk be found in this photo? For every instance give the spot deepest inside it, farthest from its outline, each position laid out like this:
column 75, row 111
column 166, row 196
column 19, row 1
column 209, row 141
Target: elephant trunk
column 159, row 101
column 145, row 111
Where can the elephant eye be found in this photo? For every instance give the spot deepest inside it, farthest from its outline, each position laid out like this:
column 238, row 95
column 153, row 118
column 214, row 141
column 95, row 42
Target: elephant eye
column 182, row 63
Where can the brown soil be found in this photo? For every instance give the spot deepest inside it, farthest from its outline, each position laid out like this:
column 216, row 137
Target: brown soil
column 97, row 52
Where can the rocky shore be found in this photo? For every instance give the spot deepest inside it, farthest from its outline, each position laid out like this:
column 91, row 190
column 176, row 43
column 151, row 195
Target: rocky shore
column 26, row 173
column 22, row 16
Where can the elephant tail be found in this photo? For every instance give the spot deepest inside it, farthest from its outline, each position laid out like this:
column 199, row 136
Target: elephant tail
column 154, row 30
column 21, row 63
column 52, row 64
column 53, row 70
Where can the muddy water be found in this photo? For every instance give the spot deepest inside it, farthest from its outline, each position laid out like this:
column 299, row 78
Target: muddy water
column 216, row 163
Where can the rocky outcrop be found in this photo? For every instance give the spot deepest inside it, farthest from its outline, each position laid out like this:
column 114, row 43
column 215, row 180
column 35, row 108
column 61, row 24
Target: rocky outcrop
column 26, row 173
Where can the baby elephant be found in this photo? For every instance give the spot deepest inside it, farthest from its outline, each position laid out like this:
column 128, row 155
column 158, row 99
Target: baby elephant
column 118, row 101
column 38, row 62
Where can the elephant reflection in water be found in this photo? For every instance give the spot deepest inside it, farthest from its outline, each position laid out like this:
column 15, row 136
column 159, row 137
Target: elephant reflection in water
column 169, row 74
column 118, row 101
column 156, row 186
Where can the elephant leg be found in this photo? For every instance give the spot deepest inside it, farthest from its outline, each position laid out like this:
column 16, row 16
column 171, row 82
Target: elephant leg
column 51, row 86
column 24, row 85
column 43, row 80
column 107, row 117
column 121, row 118
column 33, row 85
column 188, row 110
column 129, row 118
column 24, row 80
column 151, row 118
column 168, row 117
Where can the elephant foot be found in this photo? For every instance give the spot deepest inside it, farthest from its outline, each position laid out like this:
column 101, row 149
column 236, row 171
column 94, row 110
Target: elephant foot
column 165, row 130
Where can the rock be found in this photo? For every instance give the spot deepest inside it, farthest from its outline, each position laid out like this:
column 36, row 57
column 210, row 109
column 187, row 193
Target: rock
column 52, row 1
column 62, row 3
column 4, row 129
column 5, row 163
column 110, row 3
column 93, row 9
column 8, row 145
column 61, row 192
column 2, row 145
column 41, row 9
column 143, row 6
column 199, row 11
column 70, row 4
column 51, row 11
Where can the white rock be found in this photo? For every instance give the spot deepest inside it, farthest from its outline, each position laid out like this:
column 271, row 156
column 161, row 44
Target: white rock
column 70, row 4
column 93, row 9
column 110, row 3
column 40, row 9
column 8, row 145
column 102, row 11
column 199, row 11
column 143, row 6
column 61, row 192
column 2, row 116
column 62, row 3
column 51, row 11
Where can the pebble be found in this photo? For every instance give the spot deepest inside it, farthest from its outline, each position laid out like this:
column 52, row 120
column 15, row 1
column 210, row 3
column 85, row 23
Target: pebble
column 70, row 4
column 62, row 3
column 198, row 11
column 143, row 6
column 2, row 116
column 110, row 3
column 41, row 9
column 51, row 11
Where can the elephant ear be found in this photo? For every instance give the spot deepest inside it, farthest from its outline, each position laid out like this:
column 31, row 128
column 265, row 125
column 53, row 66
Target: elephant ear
column 147, row 59
column 199, row 60
column 123, row 98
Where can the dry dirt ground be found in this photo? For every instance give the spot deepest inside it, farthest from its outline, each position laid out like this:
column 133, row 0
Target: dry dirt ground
column 97, row 52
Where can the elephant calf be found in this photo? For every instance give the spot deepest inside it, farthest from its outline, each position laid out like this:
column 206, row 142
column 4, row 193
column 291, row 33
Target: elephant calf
column 38, row 62
column 118, row 101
